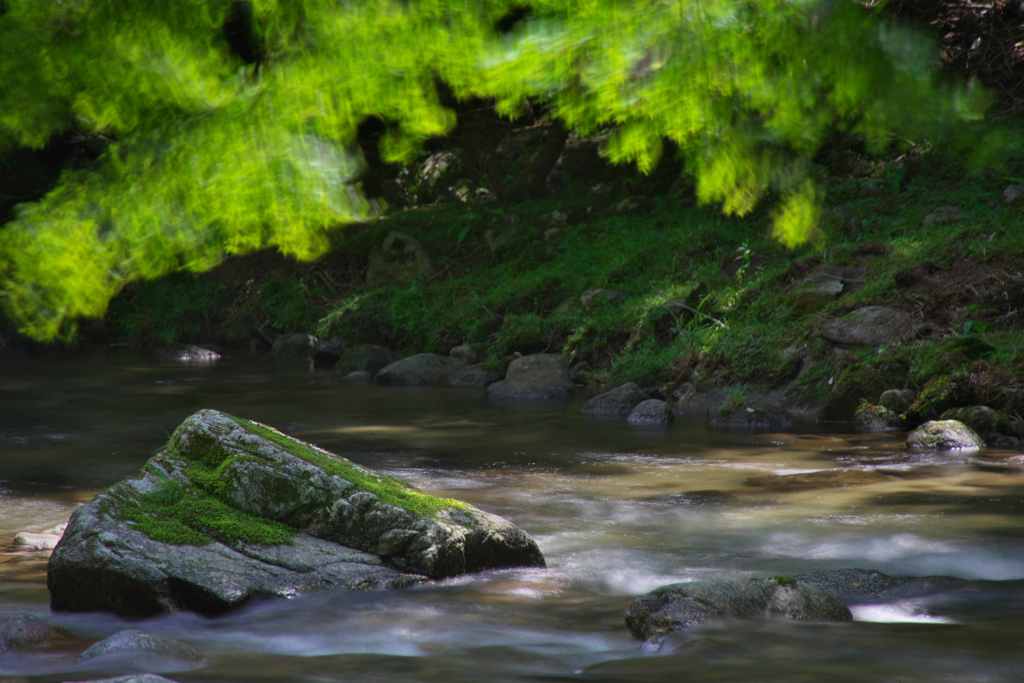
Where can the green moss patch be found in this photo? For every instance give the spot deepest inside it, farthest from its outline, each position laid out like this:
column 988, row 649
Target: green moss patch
column 186, row 515
column 387, row 489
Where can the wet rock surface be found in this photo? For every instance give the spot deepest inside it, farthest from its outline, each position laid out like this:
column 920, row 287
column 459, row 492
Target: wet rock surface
column 681, row 606
column 133, row 643
column 20, row 631
column 944, row 435
column 229, row 511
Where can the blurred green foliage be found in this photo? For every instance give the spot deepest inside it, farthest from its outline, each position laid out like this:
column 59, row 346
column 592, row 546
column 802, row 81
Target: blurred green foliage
column 212, row 155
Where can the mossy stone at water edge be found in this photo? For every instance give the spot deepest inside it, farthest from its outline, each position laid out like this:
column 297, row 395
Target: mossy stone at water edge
column 230, row 510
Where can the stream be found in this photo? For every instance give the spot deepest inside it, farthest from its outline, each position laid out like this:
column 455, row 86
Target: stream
column 616, row 510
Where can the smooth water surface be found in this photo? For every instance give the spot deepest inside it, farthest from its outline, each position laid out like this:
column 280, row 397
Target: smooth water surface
column 617, row 511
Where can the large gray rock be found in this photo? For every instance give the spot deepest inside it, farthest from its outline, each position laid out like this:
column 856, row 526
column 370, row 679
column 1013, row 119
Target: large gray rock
column 869, row 326
column 944, row 435
column 134, row 644
column 619, row 402
column 230, row 510
column 421, row 370
column 684, row 605
column 650, row 413
column 539, row 377
column 20, row 631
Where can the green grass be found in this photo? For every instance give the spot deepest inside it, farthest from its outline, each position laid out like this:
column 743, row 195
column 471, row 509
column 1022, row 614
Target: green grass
column 387, row 489
column 750, row 324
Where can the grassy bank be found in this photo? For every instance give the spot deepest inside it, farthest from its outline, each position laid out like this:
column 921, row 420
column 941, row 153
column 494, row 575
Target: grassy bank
column 687, row 295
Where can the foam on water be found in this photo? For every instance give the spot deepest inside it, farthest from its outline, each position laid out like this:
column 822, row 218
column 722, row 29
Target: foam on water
column 906, row 612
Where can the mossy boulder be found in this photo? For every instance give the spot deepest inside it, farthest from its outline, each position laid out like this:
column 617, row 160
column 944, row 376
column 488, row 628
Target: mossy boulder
column 872, row 417
column 230, row 510
column 944, row 435
column 681, row 606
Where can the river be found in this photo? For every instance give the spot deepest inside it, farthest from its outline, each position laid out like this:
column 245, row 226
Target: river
column 617, row 511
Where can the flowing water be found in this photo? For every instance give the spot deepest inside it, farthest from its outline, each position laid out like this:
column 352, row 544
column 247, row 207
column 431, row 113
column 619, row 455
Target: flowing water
column 617, row 511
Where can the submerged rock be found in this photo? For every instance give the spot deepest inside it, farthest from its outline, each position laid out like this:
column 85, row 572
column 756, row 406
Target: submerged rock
column 650, row 413
column 539, row 377
column 21, row 631
column 619, row 402
column 134, row 643
column 680, row 606
column 944, row 435
column 230, row 510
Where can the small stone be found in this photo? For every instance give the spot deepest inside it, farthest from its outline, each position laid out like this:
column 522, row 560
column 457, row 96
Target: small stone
column 327, row 352
column 370, row 358
column 897, row 400
column 944, row 435
column 190, row 354
column 358, row 377
column 39, row 541
column 869, row 326
column 596, row 297
column 465, row 353
column 298, row 344
column 650, row 413
column 1014, row 194
column 872, row 418
column 944, row 215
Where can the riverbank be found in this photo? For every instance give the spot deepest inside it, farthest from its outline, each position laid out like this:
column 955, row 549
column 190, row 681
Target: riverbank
column 913, row 284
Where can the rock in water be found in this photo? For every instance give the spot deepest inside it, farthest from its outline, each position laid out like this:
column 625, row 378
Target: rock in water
column 22, row 630
column 230, row 510
column 134, row 644
column 619, row 402
column 683, row 605
column 944, row 435
column 650, row 413
column 421, row 370
column 538, row 377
